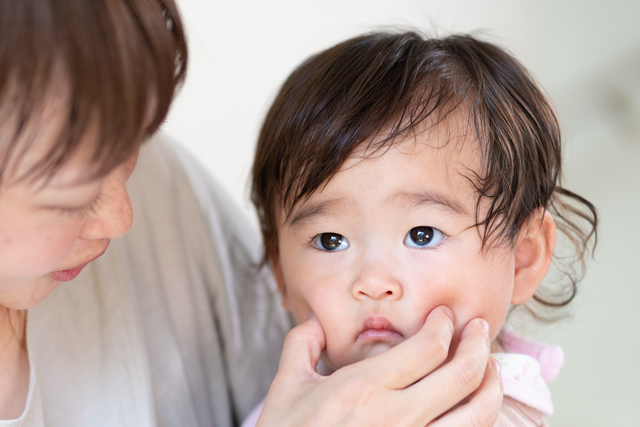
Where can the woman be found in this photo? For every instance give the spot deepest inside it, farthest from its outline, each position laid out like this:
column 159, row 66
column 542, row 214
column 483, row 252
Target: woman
column 172, row 324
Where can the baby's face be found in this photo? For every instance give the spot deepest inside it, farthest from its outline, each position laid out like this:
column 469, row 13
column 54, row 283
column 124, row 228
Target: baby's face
column 387, row 240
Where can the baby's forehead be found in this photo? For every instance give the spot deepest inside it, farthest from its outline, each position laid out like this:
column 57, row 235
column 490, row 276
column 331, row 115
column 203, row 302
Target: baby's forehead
column 451, row 146
column 445, row 152
column 425, row 169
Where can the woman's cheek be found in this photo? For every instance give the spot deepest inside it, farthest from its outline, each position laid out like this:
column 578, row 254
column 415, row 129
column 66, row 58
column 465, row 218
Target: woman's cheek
column 58, row 242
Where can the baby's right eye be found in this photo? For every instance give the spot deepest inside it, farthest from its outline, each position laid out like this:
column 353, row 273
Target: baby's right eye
column 423, row 237
column 331, row 242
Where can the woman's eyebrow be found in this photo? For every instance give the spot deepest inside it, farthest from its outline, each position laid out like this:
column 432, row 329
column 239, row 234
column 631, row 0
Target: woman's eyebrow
column 310, row 210
column 422, row 198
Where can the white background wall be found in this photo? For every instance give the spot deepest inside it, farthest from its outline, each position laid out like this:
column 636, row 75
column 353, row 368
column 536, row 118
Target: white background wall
column 586, row 54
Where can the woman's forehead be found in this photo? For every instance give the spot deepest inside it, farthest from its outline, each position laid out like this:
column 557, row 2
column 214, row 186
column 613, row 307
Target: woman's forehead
column 39, row 138
column 65, row 132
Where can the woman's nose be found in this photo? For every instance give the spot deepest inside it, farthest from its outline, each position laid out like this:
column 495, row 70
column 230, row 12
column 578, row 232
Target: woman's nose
column 377, row 281
column 113, row 215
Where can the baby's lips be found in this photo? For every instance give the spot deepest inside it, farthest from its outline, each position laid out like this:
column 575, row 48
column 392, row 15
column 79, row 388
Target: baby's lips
column 377, row 322
column 378, row 334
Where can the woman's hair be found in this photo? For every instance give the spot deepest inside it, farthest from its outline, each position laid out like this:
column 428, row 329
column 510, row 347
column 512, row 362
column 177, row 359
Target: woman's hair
column 379, row 88
column 109, row 65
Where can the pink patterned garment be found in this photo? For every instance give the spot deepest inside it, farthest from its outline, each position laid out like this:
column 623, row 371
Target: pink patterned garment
column 526, row 368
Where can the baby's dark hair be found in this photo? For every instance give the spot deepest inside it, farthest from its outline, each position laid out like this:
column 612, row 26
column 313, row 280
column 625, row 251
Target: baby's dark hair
column 381, row 87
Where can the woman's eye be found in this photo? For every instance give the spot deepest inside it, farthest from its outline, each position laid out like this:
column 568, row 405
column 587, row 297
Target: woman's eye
column 330, row 242
column 423, row 237
column 83, row 210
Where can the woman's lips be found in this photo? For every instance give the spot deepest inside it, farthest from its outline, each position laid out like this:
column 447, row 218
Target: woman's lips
column 66, row 275
column 72, row 273
column 378, row 328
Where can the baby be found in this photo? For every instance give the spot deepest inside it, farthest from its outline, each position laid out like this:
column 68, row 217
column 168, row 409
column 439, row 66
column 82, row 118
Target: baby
column 396, row 173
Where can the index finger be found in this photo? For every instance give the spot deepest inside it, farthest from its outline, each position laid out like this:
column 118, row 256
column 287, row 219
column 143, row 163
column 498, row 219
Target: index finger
column 484, row 405
column 456, row 379
column 417, row 356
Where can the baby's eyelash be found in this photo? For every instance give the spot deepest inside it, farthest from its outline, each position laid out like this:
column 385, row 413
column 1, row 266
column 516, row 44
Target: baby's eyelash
column 83, row 210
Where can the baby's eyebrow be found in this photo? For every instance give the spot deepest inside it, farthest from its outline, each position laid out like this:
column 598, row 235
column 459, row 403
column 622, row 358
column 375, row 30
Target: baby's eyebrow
column 429, row 198
column 310, row 210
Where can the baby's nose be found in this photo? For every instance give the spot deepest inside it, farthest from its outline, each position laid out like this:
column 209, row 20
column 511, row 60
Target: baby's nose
column 377, row 286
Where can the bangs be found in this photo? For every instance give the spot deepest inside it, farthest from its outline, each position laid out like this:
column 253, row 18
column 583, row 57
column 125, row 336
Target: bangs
column 353, row 94
column 367, row 93
column 111, row 65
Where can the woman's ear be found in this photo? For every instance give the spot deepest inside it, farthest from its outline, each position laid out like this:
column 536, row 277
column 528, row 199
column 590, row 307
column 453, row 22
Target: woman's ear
column 533, row 252
column 274, row 260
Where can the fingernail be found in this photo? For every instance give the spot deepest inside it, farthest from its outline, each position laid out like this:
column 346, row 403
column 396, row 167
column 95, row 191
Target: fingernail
column 444, row 308
column 485, row 325
column 495, row 364
column 448, row 311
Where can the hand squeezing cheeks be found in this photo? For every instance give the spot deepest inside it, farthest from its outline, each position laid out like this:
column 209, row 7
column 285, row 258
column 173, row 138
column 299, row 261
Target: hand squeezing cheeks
column 405, row 386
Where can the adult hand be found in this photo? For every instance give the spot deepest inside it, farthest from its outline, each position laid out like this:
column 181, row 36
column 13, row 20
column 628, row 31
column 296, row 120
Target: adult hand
column 405, row 386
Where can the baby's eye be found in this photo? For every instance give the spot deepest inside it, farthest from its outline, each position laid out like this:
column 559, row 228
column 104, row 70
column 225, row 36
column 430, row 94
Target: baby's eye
column 423, row 237
column 330, row 242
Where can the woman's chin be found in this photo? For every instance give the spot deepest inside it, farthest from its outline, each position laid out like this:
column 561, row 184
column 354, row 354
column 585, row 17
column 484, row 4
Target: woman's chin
column 31, row 294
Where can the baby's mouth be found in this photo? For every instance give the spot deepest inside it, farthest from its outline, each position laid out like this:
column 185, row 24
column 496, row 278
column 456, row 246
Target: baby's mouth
column 377, row 328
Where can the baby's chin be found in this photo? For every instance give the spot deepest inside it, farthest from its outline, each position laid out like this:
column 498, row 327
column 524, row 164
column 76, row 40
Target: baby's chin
column 330, row 363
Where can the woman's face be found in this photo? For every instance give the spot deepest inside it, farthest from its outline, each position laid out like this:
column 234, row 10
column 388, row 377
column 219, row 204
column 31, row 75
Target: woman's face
column 50, row 229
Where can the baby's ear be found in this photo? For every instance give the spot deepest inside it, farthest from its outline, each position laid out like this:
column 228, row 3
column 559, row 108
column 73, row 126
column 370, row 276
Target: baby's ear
column 274, row 259
column 533, row 252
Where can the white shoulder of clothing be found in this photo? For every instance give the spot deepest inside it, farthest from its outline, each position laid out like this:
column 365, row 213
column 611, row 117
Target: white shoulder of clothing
column 32, row 415
column 175, row 325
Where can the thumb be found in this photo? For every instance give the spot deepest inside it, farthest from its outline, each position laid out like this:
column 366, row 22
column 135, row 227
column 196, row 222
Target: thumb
column 296, row 373
column 302, row 349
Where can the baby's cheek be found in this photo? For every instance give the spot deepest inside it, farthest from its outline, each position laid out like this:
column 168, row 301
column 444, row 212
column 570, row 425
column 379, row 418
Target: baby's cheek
column 494, row 314
column 300, row 310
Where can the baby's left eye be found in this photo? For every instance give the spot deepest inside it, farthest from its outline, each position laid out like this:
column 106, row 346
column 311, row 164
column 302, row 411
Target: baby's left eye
column 423, row 237
column 330, row 242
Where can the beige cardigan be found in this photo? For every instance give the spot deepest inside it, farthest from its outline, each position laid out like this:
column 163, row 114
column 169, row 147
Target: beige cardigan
column 173, row 326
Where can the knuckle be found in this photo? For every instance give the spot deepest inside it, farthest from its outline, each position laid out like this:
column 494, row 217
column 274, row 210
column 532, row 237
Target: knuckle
column 469, row 374
column 299, row 338
column 437, row 347
column 353, row 390
column 355, row 381
column 354, row 393
column 482, row 416
column 293, row 336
